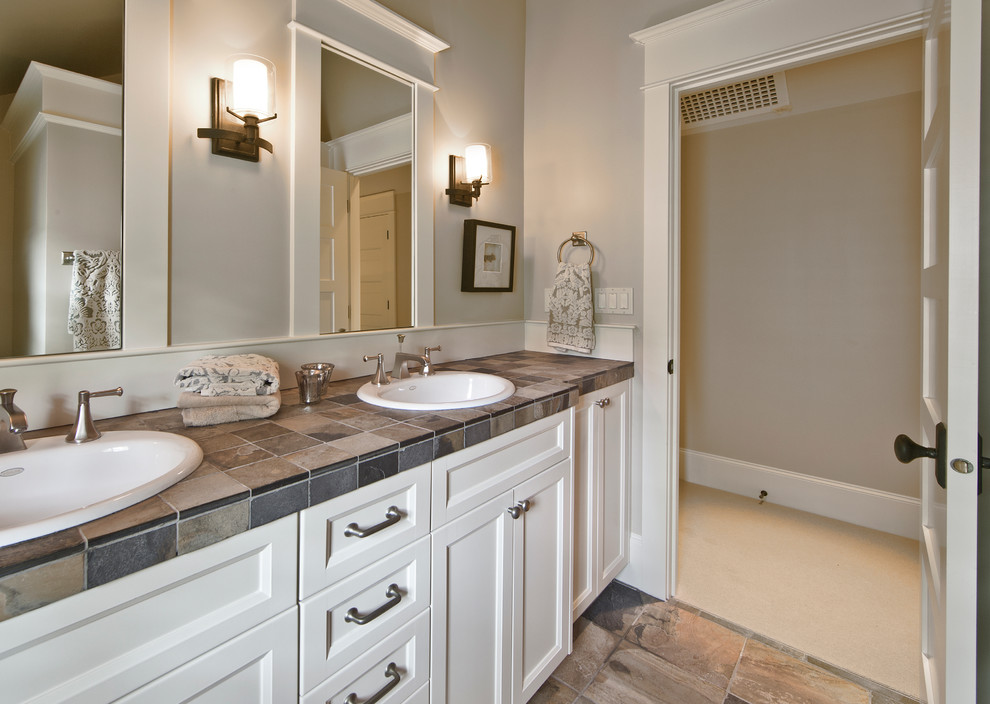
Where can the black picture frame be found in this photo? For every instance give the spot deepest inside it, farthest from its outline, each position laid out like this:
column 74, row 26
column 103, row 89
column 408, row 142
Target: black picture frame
column 488, row 263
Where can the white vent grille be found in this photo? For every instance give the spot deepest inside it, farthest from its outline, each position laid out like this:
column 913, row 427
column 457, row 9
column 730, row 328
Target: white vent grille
column 743, row 99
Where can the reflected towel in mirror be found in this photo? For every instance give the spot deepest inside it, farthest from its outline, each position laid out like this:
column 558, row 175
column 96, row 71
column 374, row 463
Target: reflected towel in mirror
column 94, row 300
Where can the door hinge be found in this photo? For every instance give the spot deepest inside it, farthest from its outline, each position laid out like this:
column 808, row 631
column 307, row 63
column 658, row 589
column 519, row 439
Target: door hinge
column 670, row 366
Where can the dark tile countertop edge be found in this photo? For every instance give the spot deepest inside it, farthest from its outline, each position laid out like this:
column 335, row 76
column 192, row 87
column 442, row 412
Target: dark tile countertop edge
column 259, row 470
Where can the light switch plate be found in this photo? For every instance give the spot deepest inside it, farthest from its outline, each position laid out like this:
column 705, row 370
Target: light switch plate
column 615, row 301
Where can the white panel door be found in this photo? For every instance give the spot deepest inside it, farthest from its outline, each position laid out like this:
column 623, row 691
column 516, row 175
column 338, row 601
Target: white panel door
column 378, row 261
column 950, row 289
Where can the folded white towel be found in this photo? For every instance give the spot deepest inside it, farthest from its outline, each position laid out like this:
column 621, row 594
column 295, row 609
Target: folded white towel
column 572, row 315
column 230, row 375
column 94, row 300
column 212, row 410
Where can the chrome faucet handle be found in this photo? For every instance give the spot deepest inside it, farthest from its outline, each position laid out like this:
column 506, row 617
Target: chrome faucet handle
column 83, row 429
column 428, row 367
column 18, row 421
column 11, row 440
column 381, row 378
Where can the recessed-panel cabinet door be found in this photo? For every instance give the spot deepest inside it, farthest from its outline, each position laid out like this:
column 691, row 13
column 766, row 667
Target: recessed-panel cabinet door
column 471, row 628
column 541, row 579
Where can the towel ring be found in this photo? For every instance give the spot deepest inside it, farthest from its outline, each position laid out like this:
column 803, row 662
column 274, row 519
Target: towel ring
column 577, row 239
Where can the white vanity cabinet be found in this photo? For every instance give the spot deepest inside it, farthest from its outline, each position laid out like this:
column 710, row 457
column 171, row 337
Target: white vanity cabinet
column 218, row 621
column 601, row 491
column 501, row 565
column 364, row 593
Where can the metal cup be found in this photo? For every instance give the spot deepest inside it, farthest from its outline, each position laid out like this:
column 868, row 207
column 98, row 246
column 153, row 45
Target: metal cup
column 310, row 383
column 325, row 368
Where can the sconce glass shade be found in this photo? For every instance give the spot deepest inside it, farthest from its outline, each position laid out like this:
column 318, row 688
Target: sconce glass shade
column 478, row 163
column 251, row 86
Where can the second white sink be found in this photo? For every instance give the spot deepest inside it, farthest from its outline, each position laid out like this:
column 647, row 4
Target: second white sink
column 439, row 391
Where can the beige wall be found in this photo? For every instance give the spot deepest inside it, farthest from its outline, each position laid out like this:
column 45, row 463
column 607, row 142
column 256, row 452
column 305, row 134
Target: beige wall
column 800, row 292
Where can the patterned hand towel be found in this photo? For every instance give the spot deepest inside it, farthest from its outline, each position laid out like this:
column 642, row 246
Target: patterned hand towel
column 94, row 300
column 230, row 375
column 572, row 316
column 212, row 410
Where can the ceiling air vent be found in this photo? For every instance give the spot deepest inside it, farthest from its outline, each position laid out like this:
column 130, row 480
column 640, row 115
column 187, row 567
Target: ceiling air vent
column 755, row 96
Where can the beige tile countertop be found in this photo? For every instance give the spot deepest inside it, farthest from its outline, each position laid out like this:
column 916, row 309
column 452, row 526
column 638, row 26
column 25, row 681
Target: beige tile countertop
column 257, row 471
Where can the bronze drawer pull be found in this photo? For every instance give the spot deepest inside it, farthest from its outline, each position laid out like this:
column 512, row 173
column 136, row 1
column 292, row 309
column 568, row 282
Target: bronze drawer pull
column 394, row 597
column 392, row 516
column 390, row 671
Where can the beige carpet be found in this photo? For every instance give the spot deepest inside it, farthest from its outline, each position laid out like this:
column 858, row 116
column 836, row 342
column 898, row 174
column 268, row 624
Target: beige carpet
column 847, row 595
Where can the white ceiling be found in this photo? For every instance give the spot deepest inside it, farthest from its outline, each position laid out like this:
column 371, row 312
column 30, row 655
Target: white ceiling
column 85, row 36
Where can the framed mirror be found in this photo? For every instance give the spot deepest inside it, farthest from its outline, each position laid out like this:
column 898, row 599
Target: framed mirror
column 366, row 154
column 61, row 138
column 362, row 108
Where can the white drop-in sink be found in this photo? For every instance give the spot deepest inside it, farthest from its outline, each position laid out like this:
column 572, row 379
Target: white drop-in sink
column 439, row 391
column 53, row 485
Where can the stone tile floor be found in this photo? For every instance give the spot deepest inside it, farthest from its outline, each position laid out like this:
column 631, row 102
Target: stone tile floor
column 632, row 649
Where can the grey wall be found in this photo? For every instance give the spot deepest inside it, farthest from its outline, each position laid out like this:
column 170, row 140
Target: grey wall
column 584, row 150
column 229, row 229
column 229, row 218
column 480, row 100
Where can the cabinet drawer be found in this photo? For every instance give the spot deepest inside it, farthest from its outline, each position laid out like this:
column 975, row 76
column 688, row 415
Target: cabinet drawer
column 329, row 639
column 422, row 696
column 257, row 667
column 399, row 663
column 390, row 514
column 465, row 480
column 106, row 642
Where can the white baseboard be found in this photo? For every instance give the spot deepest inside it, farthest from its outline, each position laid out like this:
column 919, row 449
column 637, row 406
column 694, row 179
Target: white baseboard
column 611, row 341
column 880, row 510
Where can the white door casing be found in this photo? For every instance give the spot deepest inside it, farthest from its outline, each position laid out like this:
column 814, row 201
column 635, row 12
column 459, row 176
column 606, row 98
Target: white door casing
column 334, row 251
column 737, row 39
column 950, row 319
column 726, row 42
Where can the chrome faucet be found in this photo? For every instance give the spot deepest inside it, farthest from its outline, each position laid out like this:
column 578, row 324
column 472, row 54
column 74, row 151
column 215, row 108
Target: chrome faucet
column 426, row 353
column 14, row 422
column 402, row 360
column 381, row 378
column 83, row 429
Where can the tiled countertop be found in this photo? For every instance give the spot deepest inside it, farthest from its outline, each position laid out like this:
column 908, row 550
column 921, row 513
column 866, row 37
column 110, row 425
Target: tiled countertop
column 257, row 471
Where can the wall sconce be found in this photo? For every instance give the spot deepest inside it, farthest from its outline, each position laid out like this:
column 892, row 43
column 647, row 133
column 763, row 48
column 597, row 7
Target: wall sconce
column 469, row 173
column 249, row 96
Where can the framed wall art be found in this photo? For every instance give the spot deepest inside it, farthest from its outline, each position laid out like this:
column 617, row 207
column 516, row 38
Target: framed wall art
column 489, row 256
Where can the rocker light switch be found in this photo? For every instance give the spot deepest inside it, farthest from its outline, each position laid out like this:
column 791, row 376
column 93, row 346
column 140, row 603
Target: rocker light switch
column 614, row 301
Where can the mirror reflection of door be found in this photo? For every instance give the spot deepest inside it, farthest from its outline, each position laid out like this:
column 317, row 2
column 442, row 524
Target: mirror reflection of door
column 366, row 198
column 377, row 261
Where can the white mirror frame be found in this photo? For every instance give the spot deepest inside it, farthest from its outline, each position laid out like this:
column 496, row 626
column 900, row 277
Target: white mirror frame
column 147, row 48
column 145, row 367
column 378, row 37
